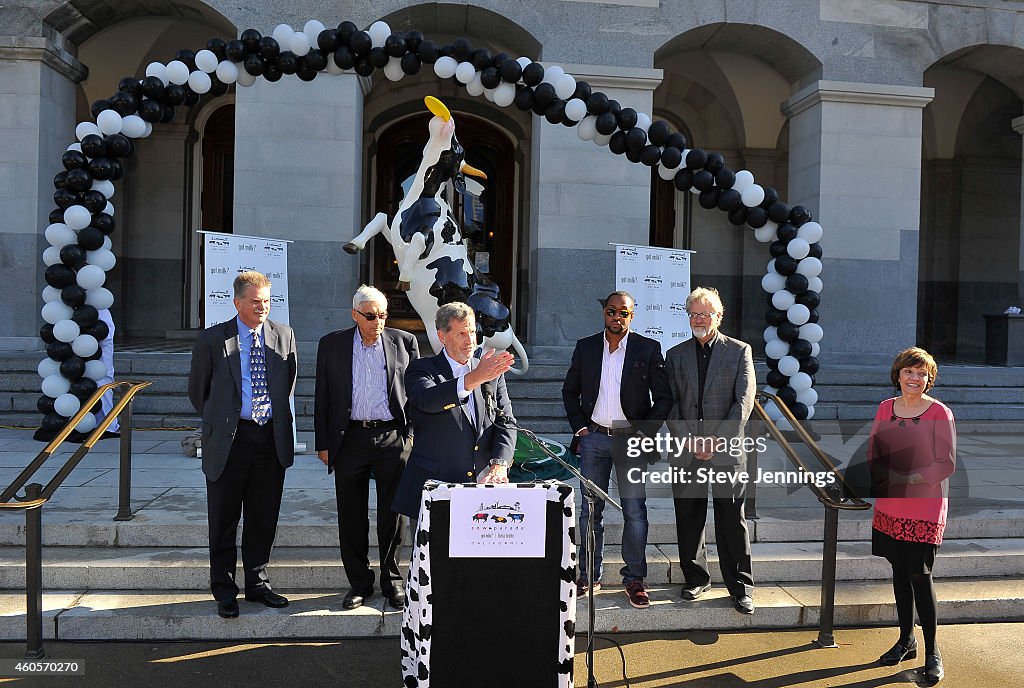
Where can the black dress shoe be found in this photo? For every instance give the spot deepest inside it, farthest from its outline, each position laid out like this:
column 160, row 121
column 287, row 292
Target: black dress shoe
column 898, row 652
column 694, row 592
column 744, row 604
column 933, row 672
column 396, row 598
column 354, row 599
column 269, row 598
column 227, row 609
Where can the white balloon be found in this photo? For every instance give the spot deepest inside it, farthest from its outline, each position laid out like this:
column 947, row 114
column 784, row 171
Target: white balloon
column 379, row 32
column 66, row 330
column 523, row 61
column 809, row 267
column 772, row 282
column 85, row 345
column 773, row 412
column 51, row 256
column 815, row 349
column 75, row 147
column 798, row 248
column 565, row 86
column 813, row 283
column 99, row 298
column 199, row 82
column 48, row 367
column 149, row 130
column 109, row 122
column 177, row 72
column 50, row 294
column 332, row 67
column 206, row 60
column 800, row 381
column 109, row 207
column 812, row 332
column 810, row 232
column 666, row 173
column 101, row 258
column 783, row 299
column 59, row 234
column 107, row 244
column 768, row 389
column 158, row 70
column 798, row 314
column 752, row 195
column 87, row 424
column 767, row 233
column 789, row 366
column 104, row 186
column 133, row 126
column 445, row 67
column 90, row 277
column 489, row 94
column 575, row 109
column 743, row 181
column 282, row 34
column 67, row 405
column 810, row 411
column 587, row 128
column 602, row 139
column 77, row 217
column 505, row 94
column 465, row 72
column 776, row 349
column 299, row 44
column 643, row 121
column 392, row 70
column 84, row 129
column 312, row 29
column 475, row 87
column 552, row 73
column 55, row 385
column 808, row 397
column 95, row 370
column 770, row 333
column 244, row 78
column 227, row 72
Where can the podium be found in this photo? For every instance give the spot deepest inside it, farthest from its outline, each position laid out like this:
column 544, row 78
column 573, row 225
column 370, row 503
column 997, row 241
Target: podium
column 484, row 609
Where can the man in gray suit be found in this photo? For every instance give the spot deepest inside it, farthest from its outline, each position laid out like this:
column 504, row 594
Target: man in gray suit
column 242, row 375
column 713, row 387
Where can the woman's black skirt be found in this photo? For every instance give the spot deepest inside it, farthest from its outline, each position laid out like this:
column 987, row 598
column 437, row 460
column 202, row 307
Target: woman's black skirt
column 915, row 557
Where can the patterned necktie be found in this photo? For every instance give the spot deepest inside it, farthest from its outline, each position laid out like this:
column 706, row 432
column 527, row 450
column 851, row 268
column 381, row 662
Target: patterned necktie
column 258, row 381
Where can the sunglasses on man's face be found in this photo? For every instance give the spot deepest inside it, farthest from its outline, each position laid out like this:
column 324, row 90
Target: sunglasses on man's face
column 611, row 313
column 373, row 316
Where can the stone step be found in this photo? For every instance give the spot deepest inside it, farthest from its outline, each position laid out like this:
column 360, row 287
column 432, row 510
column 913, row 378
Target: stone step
column 320, row 568
column 152, row 615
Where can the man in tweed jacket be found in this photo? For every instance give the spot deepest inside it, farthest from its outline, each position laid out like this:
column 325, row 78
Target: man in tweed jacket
column 713, row 387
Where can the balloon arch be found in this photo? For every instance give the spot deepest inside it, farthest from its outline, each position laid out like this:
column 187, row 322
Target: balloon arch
column 79, row 255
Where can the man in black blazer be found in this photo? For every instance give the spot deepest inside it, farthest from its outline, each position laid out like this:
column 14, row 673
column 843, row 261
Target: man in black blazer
column 616, row 389
column 361, row 427
column 240, row 381
column 458, row 406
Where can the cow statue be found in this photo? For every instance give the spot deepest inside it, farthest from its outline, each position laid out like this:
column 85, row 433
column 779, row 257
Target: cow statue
column 433, row 264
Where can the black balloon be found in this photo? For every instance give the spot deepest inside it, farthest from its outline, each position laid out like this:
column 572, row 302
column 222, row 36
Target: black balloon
column 617, row 143
column 411, row 64
column 218, row 46
column 288, row 62
column 636, row 139
column 787, row 395
column 59, row 351
column 46, row 333
column 777, row 248
column 346, row 30
column 45, row 404
column 99, row 330
column 151, row 111
column 799, row 215
column 658, row 132
column 627, row 119
column 103, row 222
column 533, row 74
column 650, row 155
column 99, row 106
column 90, row 238
column 378, row 58
column 796, row 283
column 52, row 422
column 73, row 295
column 715, row 162
column 676, row 140
column 305, row 73
column 738, row 215
column 778, row 212
column 94, row 146
column 463, row 49
column 72, row 255
column 776, row 379
column 192, row 98
column 363, row 67
column 174, row 95
column 490, row 78
column 632, row 156
column 428, row 52
column 72, row 368
column 597, row 103
column 606, row 124
column 757, row 217
column 683, row 179
column 800, row 411
column 724, row 178
column 85, row 315
column 809, row 365
column 269, row 49
column 785, row 265
column 414, row 39
column 326, row 41
column 771, row 195
column 83, row 388
column 235, row 49
column 800, row 348
column 524, row 98
column 73, row 160
column 786, row 232
column 582, row 91
column 315, row 60
column 670, row 157
column 130, row 85
column 544, row 95
column 696, row 159
column 124, row 103
column 78, row 179
column 481, row 58
column 788, row 332
column 775, row 317
column 815, row 251
column 811, row 299
column 59, row 276
column 344, row 58
column 101, row 168
column 708, row 198
column 94, row 201
column 360, row 43
column 153, row 88
column 116, row 169
column 64, row 198
column 60, row 180
column 814, row 316
column 555, row 111
column 729, row 200
column 188, row 57
column 254, row 64
column 703, row 181
column 167, row 115
column 510, row 71
column 56, row 215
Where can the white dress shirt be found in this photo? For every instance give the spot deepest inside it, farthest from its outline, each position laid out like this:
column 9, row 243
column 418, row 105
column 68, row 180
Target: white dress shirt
column 608, row 407
column 460, row 370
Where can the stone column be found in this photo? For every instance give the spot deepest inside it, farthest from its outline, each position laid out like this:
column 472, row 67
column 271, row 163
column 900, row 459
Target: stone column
column 1018, row 126
column 855, row 161
column 298, row 176
column 583, row 197
column 37, row 123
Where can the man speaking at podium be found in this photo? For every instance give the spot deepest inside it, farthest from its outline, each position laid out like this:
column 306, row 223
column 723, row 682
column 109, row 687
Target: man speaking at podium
column 458, row 406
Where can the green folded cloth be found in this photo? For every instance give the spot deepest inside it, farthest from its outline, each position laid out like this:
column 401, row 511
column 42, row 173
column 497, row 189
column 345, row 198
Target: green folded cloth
column 529, row 462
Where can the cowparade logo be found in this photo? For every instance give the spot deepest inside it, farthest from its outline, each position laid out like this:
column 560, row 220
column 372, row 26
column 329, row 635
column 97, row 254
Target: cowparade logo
column 499, row 513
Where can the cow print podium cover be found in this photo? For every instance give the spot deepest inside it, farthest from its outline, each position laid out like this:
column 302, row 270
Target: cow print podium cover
column 79, row 255
column 418, row 618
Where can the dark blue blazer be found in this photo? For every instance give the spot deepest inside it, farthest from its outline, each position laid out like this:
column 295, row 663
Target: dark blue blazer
column 447, row 445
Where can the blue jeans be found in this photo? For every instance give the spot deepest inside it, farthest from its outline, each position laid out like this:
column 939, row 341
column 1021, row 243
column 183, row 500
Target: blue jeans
column 598, row 455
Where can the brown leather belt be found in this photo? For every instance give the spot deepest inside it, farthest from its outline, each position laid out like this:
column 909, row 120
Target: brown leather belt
column 373, row 423
column 611, row 432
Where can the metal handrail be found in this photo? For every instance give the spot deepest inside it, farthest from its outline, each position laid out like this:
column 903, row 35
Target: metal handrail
column 36, row 496
column 833, row 503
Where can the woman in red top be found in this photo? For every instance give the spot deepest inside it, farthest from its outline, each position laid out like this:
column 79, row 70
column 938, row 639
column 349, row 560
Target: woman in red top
column 912, row 452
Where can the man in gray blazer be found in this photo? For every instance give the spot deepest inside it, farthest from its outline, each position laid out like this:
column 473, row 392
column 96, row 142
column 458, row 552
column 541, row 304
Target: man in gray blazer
column 242, row 375
column 713, row 387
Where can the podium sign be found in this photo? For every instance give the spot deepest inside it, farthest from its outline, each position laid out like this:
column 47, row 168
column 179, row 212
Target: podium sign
column 504, row 522
column 526, row 604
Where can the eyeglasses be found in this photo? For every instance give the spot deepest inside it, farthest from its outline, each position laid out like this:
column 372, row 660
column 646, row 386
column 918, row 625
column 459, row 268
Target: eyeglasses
column 702, row 316
column 373, row 316
column 611, row 313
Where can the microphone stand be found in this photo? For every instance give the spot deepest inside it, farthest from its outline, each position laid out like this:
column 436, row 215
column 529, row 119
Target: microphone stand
column 591, row 492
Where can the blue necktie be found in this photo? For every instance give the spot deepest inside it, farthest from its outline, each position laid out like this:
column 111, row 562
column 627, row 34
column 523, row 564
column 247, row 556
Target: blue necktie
column 258, row 381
